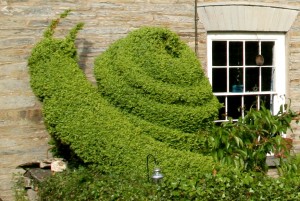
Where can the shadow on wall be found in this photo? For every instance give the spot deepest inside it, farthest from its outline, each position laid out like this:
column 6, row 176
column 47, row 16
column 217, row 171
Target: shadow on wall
column 85, row 59
column 84, row 49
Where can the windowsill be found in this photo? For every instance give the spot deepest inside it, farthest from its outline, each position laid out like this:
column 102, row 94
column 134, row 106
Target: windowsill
column 245, row 93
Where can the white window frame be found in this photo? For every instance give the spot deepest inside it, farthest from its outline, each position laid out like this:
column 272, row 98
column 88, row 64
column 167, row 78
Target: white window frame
column 279, row 85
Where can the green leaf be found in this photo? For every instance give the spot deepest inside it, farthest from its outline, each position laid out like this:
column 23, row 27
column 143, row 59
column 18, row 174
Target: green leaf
column 237, row 140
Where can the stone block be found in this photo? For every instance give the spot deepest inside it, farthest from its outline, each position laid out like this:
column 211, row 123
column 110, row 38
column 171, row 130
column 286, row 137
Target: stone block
column 32, row 114
column 14, row 70
column 17, row 102
column 16, row 42
column 14, row 86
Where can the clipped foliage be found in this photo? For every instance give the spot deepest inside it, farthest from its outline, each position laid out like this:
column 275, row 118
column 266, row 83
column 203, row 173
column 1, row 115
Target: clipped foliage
column 88, row 184
column 234, row 185
column 154, row 75
column 194, row 142
column 44, row 51
column 78, row 116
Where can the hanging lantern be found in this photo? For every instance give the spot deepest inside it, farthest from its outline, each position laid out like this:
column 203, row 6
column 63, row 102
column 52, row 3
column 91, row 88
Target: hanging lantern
column 157, row 175
column 259, row 60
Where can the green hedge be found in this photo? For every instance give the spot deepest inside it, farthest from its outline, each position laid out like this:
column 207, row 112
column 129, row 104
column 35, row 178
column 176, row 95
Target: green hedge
column 194, row 142
column 78, row 116
column 154, row 75
column 88, row 184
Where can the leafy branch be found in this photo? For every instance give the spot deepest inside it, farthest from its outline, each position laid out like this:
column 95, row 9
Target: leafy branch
column 246, row 143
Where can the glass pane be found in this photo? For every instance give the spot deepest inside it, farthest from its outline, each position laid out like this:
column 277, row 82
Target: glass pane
column 222, row 112
column 234, row 106
column 219, row 79
column 252, row 79
column 250, row 101
column 219, row 52
column 266, row 79
column 235, row 53
column 236, row 79
column 266, row 101
column 251, row 51
column 267, row 52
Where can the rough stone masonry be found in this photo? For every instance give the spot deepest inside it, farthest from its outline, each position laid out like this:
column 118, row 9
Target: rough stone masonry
column 22, row 22
column 22, row 134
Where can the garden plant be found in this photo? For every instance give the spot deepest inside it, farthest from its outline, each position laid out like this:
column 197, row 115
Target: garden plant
column 246, row 143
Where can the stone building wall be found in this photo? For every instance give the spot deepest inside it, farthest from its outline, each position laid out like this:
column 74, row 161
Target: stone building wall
column 293, row 81
column 22, row 23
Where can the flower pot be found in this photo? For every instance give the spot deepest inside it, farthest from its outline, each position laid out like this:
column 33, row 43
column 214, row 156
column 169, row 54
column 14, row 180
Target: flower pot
column 237, row 88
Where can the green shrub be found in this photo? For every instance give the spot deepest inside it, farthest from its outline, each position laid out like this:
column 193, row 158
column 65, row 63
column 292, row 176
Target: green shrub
column 234, row 185
column 76, row 115
column 194, row 142
column 247, row 142
column 41, row 81
column 155, row 76
column 89, row 184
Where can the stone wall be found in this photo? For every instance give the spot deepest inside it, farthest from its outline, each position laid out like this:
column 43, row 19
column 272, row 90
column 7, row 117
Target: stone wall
column 22, row 23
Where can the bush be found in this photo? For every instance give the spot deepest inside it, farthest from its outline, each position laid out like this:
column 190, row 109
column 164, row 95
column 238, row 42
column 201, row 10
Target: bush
column 234, row 185
column 88, row 184
column 77, row 116
column 155, row 76
column 247, row 142
column 194, row 142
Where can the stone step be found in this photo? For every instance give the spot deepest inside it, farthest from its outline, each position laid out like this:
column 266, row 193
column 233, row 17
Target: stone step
column 273, row 172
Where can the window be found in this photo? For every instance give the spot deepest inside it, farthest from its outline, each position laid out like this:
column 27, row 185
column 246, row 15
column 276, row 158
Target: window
column 246, row 70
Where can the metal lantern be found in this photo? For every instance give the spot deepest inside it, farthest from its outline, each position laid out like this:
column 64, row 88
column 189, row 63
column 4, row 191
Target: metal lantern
column 157, row 175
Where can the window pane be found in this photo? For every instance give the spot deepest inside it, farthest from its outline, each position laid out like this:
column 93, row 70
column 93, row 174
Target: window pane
column 266, row 100
column 234, row 106
column 250, row 101
column 251, row 51
column 266, row 80
column 252, row 79
column 235, row 53
column 267, row 52
column 219, row 81
column 219, row 52
column 222, row 112
column 236, row 79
